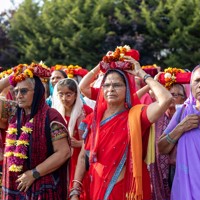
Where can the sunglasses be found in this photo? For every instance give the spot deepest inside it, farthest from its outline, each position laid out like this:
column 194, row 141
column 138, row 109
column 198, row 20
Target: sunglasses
column 23, row 91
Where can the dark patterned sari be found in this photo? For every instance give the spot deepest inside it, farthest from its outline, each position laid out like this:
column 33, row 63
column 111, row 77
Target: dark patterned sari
column 48, row 126
column 159, row 171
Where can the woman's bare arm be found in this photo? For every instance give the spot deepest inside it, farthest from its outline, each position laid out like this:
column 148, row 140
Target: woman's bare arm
column 4, row 83
column 162, row 95
column 80, row 171
column 86, row 81
column 142, row 91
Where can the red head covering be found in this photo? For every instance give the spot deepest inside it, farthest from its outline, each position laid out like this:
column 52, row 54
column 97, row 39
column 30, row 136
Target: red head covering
column 150, row 69
column 174, row 75
column 101, row 106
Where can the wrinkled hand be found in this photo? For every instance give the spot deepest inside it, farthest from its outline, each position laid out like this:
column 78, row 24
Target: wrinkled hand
column 190, row 122
column 136, row 65
column 76, row 143
column 25, row 180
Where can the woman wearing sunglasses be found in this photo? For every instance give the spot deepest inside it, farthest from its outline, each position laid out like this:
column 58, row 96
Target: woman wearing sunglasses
column 37, row 143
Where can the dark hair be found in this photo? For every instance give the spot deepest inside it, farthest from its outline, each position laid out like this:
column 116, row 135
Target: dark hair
column 62, row 72
column 70, row 83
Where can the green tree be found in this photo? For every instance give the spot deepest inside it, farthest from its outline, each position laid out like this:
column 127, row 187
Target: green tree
column 172, row 28
column 78, row 32
column 81, row 32
column 25, row 27
column 8, row 54
column 58, row 32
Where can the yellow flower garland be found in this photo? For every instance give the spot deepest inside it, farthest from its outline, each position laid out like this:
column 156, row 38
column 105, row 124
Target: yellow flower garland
column 170, row 76
column 16, row 149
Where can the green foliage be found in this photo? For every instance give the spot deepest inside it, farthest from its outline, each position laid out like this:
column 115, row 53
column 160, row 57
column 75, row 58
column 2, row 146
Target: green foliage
column 82, row 31
column 176, row 25
column 8, row 54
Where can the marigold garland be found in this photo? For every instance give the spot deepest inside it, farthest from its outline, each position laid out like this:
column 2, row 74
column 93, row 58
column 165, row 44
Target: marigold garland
column 117, row 55
column 170, row 76
column 23, row 71
column 154, row 66
column 70, row 70
column 5, row 73
column 58, row 67
column 16, row 149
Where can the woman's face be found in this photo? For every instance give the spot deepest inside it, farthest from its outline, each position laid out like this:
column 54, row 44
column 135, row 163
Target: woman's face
column 178, row 95
column 55, row 77
column 66, row 96
column 195, row 84
column 24, row 92
column 114, row 89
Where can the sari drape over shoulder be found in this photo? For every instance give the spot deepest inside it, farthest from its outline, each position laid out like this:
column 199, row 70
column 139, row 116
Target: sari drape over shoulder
column 186, row 182
column 113, row 154
column 108, row 143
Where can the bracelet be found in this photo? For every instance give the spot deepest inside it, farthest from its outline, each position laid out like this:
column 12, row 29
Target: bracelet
column 170, row 140
column 78, row 182
column 74, row 192
column 146, row 77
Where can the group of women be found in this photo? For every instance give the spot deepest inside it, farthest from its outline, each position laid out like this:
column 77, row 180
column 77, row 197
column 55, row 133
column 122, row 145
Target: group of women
column 67, row 149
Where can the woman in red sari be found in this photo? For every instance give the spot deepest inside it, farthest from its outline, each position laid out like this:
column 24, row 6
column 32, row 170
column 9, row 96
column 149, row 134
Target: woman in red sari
column 117, row 136
column 67, row 95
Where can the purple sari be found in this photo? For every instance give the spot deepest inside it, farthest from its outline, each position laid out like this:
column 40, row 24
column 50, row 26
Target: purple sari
column 186, row 184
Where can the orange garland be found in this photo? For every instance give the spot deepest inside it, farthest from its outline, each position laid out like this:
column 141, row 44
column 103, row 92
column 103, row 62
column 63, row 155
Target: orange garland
column 117, row 55
column 69, row 70
column 170, row 76
column 23, row 71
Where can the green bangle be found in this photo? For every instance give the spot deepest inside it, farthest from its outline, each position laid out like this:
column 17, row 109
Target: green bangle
column 170, row 140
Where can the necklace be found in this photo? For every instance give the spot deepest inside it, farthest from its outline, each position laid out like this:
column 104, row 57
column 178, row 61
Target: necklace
column 16, row 149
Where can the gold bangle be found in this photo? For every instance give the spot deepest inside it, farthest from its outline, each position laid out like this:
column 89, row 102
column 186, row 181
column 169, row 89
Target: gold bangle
column 77, row 182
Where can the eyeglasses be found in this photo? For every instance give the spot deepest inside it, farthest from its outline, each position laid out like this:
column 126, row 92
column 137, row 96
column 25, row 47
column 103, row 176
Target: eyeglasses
column 177, row 95
column 68, row 95
column 23, row 91
column 115, row 86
